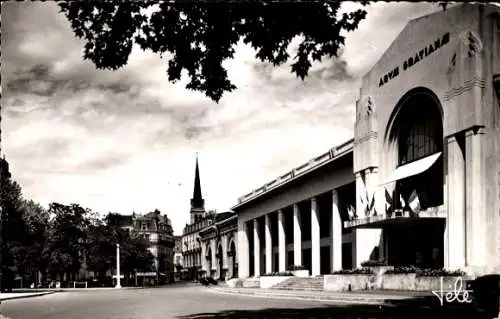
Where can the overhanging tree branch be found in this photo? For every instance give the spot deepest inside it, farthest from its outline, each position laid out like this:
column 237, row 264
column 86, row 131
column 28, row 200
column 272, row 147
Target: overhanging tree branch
column 201, row 36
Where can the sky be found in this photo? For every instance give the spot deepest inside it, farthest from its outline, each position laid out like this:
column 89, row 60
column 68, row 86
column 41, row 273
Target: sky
column 126, row 140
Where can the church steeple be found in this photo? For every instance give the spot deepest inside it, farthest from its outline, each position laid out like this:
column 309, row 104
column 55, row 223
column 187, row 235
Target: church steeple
column 197, row 202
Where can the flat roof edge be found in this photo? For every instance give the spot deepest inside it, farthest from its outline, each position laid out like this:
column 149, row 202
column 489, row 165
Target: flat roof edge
column 330, row 156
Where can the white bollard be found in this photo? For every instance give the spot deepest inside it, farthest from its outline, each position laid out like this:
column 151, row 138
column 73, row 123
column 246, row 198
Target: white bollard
column 118, row 285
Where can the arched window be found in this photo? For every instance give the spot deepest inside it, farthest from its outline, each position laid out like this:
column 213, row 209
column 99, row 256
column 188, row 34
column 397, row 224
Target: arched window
column 418, row 130
column 420, row 136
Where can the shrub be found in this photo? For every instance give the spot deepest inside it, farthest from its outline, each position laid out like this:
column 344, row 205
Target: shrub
column 357, row 271
column 403, row 270
column 439, row 272
column 425, row 272
column 277, row 273
column 373, row 263
column 297, row 267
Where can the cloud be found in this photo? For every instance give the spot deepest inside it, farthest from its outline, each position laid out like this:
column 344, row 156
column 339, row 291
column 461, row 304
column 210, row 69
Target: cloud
column 126, row 140
column 383, row 23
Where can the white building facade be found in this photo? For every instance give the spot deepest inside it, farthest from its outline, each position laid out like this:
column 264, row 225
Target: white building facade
column 420, row 182
column 218, row 247
column 297, row 219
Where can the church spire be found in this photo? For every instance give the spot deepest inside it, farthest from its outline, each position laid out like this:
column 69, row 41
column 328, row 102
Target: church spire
column 197, row 200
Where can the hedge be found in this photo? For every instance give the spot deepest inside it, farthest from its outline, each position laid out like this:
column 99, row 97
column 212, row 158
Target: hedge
column 357, row 271
column 425, row 272
column 277, row 273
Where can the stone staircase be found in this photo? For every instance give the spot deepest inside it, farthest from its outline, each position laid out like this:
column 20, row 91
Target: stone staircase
column 251, row 283
column 301, row 283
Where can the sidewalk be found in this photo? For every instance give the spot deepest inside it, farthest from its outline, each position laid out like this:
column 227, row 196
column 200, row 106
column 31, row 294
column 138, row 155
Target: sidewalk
column 35, row 292
column 31, row 290
column 19, row 295
column 360, row 297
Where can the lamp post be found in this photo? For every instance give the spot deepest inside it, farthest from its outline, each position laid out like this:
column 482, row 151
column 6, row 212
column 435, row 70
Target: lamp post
column 118, row 285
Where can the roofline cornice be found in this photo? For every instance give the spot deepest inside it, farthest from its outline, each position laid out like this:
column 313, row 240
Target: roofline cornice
column 315, row 163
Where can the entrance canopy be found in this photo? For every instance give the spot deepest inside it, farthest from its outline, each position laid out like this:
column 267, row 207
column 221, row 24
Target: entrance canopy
column 413, row 168
column 384, row 221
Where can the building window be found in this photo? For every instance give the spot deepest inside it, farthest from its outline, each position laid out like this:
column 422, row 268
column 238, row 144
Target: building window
column 419, row 141
column 420, row 134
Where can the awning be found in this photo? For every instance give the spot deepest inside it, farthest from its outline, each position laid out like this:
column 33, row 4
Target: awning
column 413, row 168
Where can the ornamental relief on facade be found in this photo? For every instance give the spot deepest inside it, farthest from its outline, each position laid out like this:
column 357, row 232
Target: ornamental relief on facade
column 467, row 61
column 365, row 109
column 366, row 118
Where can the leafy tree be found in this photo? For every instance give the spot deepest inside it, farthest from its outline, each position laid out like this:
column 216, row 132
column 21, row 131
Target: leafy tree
column 136, row 256
column 36, row 220
column 100, row 250
column 69, row 228
column 13, row 228
column 200, row 36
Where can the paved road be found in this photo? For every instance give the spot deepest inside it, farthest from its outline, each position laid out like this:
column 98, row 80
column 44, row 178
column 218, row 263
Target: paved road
column 190, row 303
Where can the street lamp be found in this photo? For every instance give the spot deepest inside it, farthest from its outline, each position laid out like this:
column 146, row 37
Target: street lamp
column 118, row 285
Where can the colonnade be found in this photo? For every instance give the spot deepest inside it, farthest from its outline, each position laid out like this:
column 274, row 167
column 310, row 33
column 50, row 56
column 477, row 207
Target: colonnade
column 333, row 241
column 219, row 257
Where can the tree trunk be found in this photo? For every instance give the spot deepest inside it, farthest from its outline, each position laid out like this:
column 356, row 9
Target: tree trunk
column 102, row 277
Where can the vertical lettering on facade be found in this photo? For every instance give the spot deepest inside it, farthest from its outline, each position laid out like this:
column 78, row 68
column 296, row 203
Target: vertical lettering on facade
column 416, row 58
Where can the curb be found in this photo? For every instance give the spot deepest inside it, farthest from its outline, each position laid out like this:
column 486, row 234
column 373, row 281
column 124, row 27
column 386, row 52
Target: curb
column 348, row 300
column 35, row 290
column 27, row 296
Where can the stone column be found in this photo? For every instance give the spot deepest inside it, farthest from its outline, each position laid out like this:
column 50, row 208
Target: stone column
column 475, row 199
column 214, row 252
column 243, row 251
column 364, row 240
column 336, row 233
column 269, row 245
column 297, row 236
column 203, row 254
column 315, row 238
column 281, row 241
column 455, row 223
column 224, row 252
column 224, row 257
column 360, row 190
column 256, row 247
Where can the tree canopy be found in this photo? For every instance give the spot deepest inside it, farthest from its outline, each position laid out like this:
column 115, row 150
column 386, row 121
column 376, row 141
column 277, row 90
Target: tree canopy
column 201, row 36
column 101, row 248
column 12, row 227
column 69, row 233
column 64, row 240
